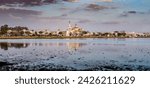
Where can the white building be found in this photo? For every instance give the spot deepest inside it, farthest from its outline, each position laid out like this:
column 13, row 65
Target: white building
column 74, row 30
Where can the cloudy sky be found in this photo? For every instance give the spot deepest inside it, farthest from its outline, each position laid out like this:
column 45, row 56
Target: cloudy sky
column 92, row 15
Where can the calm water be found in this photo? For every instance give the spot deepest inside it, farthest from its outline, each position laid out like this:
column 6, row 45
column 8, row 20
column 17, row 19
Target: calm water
column 76, row 53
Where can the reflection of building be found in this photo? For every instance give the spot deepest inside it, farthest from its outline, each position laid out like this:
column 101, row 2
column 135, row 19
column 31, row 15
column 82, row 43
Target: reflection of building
column 74, row 31
column 74, row 46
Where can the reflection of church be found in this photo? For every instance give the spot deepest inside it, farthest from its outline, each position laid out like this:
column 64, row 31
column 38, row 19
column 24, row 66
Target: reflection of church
column 74, row 31
column 73, row 46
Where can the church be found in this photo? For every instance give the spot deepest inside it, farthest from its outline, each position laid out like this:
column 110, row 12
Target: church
column 74, row 31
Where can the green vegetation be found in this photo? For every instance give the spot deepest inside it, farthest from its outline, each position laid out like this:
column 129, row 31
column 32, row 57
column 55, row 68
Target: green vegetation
column 4, row 29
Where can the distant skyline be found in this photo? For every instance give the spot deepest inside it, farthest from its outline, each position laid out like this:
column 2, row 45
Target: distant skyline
column 92, row 15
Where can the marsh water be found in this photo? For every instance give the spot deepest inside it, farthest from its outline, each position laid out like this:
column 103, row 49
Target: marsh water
column 76, row 54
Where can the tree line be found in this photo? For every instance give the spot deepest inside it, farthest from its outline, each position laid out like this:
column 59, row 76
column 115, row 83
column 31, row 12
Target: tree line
column 5, row 28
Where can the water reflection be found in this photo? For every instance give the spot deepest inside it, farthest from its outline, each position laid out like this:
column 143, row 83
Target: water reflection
column 69, row 45
column 75, row 46
column 6, row 45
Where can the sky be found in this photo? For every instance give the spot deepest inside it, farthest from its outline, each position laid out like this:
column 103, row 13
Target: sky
column 91, row 15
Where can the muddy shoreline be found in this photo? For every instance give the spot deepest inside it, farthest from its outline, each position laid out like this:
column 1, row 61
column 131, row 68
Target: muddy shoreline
column 6, row 66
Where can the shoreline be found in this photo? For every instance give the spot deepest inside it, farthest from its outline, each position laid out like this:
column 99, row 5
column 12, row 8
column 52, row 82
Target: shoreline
column 6, row 66
column 59, row 37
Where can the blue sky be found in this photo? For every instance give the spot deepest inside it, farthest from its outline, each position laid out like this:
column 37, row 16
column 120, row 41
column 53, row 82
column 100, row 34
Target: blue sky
column 92, row 15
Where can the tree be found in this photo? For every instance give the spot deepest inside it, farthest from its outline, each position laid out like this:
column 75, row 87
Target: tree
column 41, row 32
column 4, row 29
column 28, row 32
